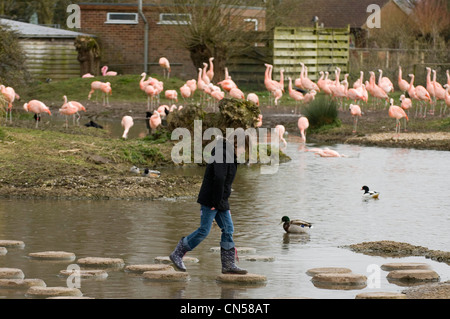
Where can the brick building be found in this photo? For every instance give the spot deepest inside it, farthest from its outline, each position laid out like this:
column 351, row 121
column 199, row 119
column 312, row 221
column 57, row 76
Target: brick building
column 120, row 31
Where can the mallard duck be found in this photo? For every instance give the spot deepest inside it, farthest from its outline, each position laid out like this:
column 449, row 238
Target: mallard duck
column 295, row 226
column 369, row 194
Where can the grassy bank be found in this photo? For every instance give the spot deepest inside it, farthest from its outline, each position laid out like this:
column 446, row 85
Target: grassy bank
column 84, row 163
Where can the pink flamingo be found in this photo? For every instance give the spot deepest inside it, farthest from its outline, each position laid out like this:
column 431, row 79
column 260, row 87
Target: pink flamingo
column 377, row 91
column 303, row 125
column 385, row 83
column 309, row 97
column 355, row 111
column 68, row 109
column 277, row 94
column 430, row 85
column 259, row 121
column 185, row 91
column 252, row 97
column 447, row 98
column 10, row 95
column 406, row 104
column 37, row 107
column 269, row 84
column 326, row 152
column 421, row 94
column 144, row 83
column 439, row 91
column 155, row 121
column 127, row 124
column 79, row 107
column 237, row 94
column 164, row 63
column 210, row 72
column 192, row 84
column 151, row 92
column 105, row 72
column 87, row 75
column 171, row 95
column 324, row 85
column 280, row 130
column 100, row 86
column 402, row 84
column 205, row 77
column 448, row 77
column 295, row 95
column 398, row 113
column 358, row 83
column 307, row 83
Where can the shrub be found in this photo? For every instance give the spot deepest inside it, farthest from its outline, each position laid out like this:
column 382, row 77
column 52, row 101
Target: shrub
column 12, row 60
column 322, row 112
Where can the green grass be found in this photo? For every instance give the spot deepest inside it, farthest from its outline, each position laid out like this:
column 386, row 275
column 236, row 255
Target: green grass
column 124, row 88
column 322, row 113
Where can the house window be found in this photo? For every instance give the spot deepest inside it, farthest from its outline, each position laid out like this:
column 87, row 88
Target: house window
column 121, row 18
column 174, row 18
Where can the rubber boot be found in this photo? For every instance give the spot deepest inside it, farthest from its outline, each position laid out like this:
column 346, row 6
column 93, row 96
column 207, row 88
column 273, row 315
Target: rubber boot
column 177, row 256
column 228, row 262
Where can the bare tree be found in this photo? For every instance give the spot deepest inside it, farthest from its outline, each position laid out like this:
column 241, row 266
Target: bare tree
column 216, row 28
column 432, row 19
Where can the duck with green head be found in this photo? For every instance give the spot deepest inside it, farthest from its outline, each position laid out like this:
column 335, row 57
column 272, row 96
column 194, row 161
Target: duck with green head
column 296, row 226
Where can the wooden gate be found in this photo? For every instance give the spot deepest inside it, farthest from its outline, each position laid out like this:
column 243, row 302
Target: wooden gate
column 320, row 49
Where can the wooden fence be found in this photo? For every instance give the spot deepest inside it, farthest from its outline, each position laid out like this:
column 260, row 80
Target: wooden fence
column 54, row 59
column 320, row 49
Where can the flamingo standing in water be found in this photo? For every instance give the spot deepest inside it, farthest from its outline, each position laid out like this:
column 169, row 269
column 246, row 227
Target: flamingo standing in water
column 37, row 107
column 79, row 107
column 303, row 125
column 398, row 113
column 127, row 124
column 68, row 109
column 355, row 111
column 10, row 95
column 164, row 63
column 280, row 130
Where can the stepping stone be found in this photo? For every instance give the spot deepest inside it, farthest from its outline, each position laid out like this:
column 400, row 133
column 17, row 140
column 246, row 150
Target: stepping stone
column 380, row 295
column 339, row 281
column 11, row 273
column 70, row 297
column 166, row 260
column 404, row 266
column 12, row 243
column 53, row 255
column 412, row 275
column 53, row 291
column 247, row 279
column 240, row 250
column 21, row 283
column 140, row 269
column 3, row 251
column 257, row 258
column 101, row 262
column 96, row 274
column 326, row 270
column 166, row 275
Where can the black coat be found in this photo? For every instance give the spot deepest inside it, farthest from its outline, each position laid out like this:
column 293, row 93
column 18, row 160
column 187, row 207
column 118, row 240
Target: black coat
column 219, row 175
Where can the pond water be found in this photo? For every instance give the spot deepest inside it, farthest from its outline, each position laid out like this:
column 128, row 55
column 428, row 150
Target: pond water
column 413, row 208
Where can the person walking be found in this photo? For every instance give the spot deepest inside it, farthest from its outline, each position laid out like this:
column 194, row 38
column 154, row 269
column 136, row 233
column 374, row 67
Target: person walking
column 213, row 197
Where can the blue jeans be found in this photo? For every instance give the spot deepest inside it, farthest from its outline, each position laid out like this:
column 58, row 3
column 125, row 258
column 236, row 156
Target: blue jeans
column 207, row 216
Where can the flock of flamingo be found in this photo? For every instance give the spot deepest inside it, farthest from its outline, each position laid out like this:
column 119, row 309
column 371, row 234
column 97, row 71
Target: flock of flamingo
column 302, row 90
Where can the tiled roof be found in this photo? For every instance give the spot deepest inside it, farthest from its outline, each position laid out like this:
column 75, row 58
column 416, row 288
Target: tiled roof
column 28, row 30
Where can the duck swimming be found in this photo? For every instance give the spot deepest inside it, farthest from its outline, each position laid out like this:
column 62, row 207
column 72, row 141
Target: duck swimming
column 369, row 194
column 295, row 226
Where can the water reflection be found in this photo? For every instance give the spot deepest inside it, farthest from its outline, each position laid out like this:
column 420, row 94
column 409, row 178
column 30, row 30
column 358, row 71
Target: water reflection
column 412, row 208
